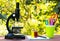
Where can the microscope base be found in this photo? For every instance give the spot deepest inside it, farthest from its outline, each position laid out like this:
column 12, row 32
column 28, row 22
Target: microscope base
column 15, row 37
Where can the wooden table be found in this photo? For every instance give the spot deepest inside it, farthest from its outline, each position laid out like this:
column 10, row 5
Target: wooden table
column 56, row 38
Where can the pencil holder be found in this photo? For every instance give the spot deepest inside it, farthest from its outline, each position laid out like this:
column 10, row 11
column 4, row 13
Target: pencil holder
column 50, row 31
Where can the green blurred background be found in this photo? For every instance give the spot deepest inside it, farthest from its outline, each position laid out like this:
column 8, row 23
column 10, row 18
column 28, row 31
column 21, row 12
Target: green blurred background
column 33, row 13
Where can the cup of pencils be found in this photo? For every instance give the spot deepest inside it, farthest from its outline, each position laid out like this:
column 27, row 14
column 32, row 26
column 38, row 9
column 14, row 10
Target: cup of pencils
column 50, row 27
column 50, row 31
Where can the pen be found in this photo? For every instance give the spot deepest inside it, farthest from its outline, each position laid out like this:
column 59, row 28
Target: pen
column 42, row 36
column 52, row 21
column 46, row 21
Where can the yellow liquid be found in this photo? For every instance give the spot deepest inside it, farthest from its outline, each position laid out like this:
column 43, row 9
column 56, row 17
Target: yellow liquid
column 32, row 34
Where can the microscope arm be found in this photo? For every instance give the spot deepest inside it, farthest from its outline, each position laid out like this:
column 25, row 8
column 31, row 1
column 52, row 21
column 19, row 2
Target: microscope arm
column 7, row 23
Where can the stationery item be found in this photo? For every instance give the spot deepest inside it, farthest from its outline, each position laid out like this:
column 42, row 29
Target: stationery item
column 55, row 16
column 52, row 21
column 50, row 31
column 46, row 22
column 42, row 36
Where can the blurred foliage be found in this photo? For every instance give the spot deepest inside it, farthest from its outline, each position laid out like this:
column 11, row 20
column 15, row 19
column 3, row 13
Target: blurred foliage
column 33, row 13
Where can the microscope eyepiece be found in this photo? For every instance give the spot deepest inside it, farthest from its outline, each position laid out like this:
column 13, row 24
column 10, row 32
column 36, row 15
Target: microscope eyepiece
column 17, row 5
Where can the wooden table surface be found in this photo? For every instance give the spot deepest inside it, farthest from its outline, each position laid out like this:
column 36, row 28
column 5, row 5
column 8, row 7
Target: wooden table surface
column 56, row 38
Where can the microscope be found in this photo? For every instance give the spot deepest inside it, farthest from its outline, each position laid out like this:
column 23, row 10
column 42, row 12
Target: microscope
column 13, row 34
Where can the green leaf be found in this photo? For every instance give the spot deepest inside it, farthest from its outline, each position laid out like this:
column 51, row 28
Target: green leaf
column 3, row 16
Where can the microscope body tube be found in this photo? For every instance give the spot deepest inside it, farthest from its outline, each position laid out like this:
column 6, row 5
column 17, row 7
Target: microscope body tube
column 17, row 14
